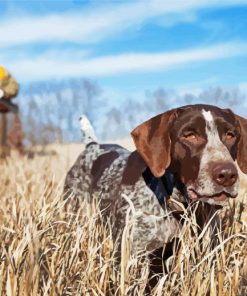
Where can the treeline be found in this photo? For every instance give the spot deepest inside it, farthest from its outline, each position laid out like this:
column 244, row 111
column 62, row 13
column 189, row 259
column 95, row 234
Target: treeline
column 50, row 110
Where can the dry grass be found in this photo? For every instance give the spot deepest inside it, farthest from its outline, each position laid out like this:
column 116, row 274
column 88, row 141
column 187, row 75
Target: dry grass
column 46, row 251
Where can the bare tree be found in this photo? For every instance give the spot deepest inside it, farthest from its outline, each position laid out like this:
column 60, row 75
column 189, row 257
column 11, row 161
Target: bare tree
column 52, row 110
column 225, row 97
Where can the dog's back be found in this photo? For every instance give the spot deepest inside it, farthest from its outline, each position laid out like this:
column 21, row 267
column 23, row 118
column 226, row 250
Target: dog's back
column 96, row 159
column 92, row 164
column 113, row 175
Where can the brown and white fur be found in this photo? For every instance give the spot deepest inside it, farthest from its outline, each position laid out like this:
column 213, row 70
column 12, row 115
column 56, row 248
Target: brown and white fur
column 195, row 146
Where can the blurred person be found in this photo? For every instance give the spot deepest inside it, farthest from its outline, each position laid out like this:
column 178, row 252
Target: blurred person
column 10, row 137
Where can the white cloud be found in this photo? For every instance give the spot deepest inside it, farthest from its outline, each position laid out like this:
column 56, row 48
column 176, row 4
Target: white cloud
column 243, row 88
column 66, row 65
column 87, row 26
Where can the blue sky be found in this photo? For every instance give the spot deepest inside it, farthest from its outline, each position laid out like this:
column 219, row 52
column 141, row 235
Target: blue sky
column 127, row 46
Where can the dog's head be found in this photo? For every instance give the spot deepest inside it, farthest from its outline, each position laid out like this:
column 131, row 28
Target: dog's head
column 200, row 144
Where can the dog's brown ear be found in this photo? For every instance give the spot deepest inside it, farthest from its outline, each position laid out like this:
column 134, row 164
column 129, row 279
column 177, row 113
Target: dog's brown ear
column 153, row 142
column 242, row 145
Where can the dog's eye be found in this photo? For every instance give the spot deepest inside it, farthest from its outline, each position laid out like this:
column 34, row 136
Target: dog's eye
column 190, row 136
column 193, row 138
column 230, row 135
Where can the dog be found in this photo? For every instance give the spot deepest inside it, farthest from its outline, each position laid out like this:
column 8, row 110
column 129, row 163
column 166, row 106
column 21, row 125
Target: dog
column 182, row 156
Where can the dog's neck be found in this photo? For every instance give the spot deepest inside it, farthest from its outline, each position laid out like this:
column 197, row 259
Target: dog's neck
column 165, row 187
column 168, row 189
column 171, row 194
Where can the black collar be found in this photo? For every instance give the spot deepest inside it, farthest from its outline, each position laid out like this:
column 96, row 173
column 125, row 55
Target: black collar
column 163, row 186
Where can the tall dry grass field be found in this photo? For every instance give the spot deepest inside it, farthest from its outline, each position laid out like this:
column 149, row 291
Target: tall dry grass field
column 45, row 250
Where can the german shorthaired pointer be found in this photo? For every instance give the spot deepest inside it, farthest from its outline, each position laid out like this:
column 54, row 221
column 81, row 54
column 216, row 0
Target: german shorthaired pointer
column 183, row 155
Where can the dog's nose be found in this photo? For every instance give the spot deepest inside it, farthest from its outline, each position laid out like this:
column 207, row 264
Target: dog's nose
column 225, row 174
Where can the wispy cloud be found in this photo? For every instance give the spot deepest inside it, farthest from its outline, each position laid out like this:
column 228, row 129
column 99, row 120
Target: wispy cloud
column 243, row 87
column 92, row 25
column 46, row 66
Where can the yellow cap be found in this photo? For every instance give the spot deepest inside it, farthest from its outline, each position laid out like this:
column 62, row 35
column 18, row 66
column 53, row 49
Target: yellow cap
column 2, row 72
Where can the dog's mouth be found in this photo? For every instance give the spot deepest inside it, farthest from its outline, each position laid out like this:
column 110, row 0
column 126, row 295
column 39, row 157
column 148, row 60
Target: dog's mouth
column 217, row 197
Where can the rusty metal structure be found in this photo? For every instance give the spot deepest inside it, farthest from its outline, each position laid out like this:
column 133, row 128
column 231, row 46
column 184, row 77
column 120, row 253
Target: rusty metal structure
column 10, row 137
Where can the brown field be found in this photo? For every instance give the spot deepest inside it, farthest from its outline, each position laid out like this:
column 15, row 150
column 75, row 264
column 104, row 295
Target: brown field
column 45, row 250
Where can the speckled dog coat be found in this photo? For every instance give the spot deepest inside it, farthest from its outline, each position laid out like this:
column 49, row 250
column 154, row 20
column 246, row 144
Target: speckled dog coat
column 185, row 155
column 109, row 166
